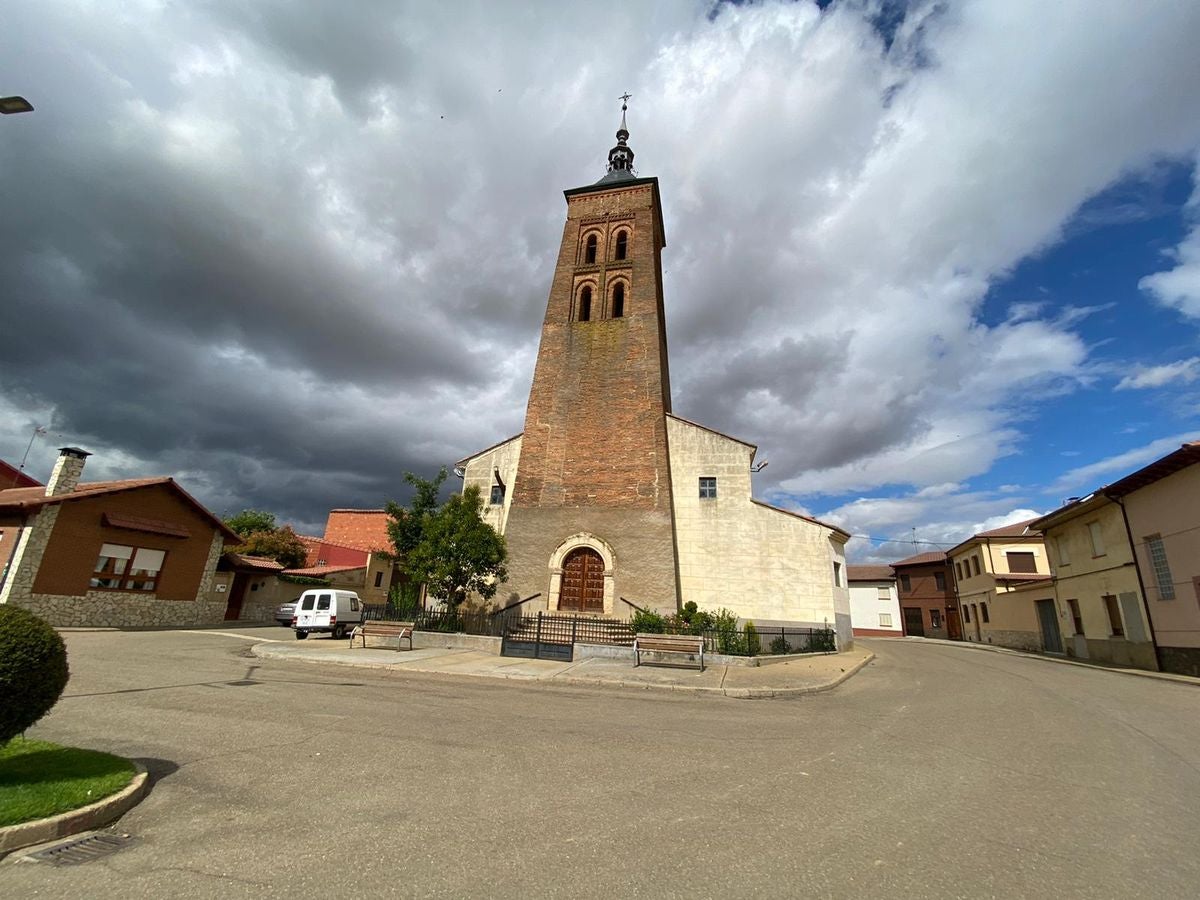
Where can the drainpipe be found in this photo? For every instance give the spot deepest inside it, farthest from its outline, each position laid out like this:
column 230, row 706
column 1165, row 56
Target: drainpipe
column 1141, row 583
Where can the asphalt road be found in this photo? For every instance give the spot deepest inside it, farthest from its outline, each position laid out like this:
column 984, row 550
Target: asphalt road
column 935, row 772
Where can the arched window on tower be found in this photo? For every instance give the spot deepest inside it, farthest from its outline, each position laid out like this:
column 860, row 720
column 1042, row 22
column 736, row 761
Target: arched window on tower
column 618, row 300
column 589, row 254
column 585, row 304
column 622, row 244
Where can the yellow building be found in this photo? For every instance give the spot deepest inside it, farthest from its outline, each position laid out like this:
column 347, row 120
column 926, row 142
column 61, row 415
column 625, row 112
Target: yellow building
column 1098, row 596
column 992, row 572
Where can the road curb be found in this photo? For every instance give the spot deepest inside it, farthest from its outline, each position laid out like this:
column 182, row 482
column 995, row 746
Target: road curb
column 102, row 812
column 262, row 651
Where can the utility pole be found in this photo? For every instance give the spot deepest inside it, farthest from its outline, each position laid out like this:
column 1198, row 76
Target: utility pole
column 37, row 429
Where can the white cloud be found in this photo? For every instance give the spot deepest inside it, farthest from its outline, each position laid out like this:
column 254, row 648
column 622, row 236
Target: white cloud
column 1179, row 287
column 1105, row 471
column 1185, row 371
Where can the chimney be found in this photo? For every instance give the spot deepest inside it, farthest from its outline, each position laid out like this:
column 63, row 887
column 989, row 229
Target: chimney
column 66, row 472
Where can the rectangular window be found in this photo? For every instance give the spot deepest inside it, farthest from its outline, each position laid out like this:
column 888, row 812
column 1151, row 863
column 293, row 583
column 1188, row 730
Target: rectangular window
column 885, row 620
column 958, row 571
column 905, row 583
column 1076, row 618
column 1162, row 571
column 966, row 614
column 323, row 602
column 378, row 579
column 939, row 580
column 307, row 603
column 121, row 568
column 837, row 574
column 497, row 494
column 975, row 565
column 1114, row 615
column 708, row 488
column 1097, row 538
column 983, row 612
column 1021, row 562
column 885, row 594
column 1064, row 553
column 935, row 618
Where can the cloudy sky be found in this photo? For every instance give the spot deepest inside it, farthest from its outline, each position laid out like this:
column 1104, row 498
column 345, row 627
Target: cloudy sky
column 939, row 260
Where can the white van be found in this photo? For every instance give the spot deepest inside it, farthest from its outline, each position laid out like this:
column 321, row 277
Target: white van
column 327, row 610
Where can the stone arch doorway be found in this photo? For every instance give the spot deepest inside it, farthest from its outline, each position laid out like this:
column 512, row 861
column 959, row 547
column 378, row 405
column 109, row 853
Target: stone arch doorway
column 582, row 587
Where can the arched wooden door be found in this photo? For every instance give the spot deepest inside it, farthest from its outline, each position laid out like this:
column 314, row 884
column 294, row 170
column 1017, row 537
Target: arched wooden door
column 582, row 588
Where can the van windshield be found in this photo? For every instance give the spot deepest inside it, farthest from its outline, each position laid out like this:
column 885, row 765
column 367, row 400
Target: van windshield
column 322, row 602
column 307, row 602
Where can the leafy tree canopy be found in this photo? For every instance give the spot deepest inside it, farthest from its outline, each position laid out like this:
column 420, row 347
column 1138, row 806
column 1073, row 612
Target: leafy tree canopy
column 249, row 521
column 407, row 524
column 458, row 553
column 279, row 544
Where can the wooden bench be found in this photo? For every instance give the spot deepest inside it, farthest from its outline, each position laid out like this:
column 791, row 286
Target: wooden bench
column 397, row 630
column 688, row 644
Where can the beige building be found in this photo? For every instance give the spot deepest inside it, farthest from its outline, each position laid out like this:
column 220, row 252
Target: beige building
column 1161, row 504
column 990, row 570
column 1100, row 607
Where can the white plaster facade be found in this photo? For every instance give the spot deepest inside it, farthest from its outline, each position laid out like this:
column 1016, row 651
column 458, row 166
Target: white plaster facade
column 875, row 608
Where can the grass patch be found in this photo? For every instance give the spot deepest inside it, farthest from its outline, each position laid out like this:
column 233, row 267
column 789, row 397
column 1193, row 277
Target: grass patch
column 39, row 779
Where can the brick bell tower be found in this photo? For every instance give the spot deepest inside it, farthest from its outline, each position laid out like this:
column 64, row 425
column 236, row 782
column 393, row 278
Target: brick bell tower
column 590, row 520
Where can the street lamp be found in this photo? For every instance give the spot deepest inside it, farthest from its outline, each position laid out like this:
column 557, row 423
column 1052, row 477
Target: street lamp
column 10, row 105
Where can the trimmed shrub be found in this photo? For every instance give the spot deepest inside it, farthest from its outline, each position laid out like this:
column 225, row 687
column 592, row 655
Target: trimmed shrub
column 646, row 622
column 33, row 670
column 780, row 646
column 753, row 642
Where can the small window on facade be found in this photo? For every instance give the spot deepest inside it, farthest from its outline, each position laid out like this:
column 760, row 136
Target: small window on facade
column 1162, row 571
column 1097, row 538
column 1021, row 562
column 967, row 614
column 618, row 300
column 983, row 614
column 1064, row 553
column 622, row 244
column 708, row 488
column 935, row 618
column 975, row 565
column 884, row 594
column 497, row 494
column 127, row 568
column 939, row 580
column 905, row 583
column 837, row 574
column 885, row 620
column 589, row 253
column 378, row 582
column 1073, row 606
column 585, row 304
column 958, row 571
column 1114, row 615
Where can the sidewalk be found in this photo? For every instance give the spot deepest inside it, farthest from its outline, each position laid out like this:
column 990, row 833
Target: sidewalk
column 808, row 675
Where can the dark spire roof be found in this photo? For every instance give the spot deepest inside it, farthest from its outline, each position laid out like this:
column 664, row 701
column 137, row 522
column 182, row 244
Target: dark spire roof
column 620, row 157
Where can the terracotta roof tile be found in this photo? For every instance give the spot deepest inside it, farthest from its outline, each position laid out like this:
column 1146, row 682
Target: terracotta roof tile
column 321, row 571
column 921, row 559
column 1017, row 529
column 870, row 573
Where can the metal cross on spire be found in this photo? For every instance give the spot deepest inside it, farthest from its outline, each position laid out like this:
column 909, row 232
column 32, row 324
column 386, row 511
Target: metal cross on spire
column 624, row 98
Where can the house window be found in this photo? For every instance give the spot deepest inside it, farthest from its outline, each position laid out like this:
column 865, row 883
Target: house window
column 622, row 244
column 935, row 618
column 837, row 574
column 378, row 579
column 884, row 594
column 958, row 572
column 905, row 583
column 885, row 620
column 983, row 613
column 939, row 580
column 975, row 565
column 497, row 494
column 1097, row 538
column 708, row 488
column 1073, row 606
column 589, row 254
column 1114, row 615
column 1162, row 571
column 966, row 614
column 121, row 568
column 1021, row 562
column 585, row 304
column 618, row 300
column 1064, row 554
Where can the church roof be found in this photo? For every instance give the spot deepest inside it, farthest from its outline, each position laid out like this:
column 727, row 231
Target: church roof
column 478, row 453
column 712, row 431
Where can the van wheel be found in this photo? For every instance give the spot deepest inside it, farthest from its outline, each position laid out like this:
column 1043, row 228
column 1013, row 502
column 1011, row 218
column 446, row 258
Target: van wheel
column 339, row 632
column 301, row 635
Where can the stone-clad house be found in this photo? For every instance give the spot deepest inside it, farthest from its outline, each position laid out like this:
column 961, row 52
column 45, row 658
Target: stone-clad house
column 607, row 499
column 137, row 552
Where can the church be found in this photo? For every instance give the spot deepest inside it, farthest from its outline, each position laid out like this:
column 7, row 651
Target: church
column 608, row 501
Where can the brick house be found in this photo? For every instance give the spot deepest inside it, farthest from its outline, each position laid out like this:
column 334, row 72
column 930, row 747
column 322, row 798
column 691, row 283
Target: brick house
column 928, row 605
column 137, row 552
column 607, row 499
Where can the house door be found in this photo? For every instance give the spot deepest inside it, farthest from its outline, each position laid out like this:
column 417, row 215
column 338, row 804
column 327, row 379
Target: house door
column 1048, row 619
column 237, row 593
column 914, row 621
column 582, row 587
column 953, row 626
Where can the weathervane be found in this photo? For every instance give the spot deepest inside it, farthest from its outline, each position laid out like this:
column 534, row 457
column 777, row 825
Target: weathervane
column 624, row 98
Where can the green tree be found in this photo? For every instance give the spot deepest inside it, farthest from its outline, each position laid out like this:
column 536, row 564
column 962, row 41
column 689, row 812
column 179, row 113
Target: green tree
column 280, row 544
column 249, row 521
column 407, row 524
column 458, row 553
